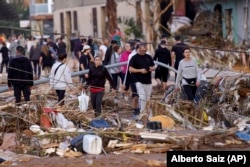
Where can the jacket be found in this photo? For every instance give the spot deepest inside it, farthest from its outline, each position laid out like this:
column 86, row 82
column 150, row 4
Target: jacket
column 60, row 79
column 20, row 71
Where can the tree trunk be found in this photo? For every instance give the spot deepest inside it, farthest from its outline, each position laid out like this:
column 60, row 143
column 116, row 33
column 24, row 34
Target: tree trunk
column 111, row 15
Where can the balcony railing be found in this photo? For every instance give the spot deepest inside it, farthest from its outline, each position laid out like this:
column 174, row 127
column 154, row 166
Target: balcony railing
column 38, row 9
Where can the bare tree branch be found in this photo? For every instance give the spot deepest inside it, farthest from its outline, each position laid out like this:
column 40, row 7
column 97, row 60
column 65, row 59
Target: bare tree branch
column 163, row 11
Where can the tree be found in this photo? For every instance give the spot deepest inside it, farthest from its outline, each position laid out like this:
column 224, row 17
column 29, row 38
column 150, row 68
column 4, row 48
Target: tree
column 111, row 12
column 151, row 17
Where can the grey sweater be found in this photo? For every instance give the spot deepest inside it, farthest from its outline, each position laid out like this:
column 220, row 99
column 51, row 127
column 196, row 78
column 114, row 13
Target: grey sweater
column 187, row 69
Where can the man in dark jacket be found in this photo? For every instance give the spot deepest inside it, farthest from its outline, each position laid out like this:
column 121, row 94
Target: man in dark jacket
column 20, row 75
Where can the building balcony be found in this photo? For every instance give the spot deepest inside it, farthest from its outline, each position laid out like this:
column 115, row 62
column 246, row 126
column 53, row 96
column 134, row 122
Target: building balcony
column 40, row 9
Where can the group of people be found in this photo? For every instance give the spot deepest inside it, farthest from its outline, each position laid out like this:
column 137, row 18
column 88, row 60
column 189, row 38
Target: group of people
column 135, row 76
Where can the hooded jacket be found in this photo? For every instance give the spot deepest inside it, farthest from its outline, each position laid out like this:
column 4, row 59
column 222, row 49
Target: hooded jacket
column 20, row 72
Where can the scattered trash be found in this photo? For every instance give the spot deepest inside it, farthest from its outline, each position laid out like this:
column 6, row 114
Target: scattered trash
column 99, row 123
column 92, row 144
column 83, row 102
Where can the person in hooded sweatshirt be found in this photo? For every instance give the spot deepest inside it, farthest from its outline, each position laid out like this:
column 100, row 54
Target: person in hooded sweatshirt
column 20, row 75
column 163, row 55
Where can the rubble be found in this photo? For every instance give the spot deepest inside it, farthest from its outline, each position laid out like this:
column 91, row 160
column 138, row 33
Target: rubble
column 219, row 120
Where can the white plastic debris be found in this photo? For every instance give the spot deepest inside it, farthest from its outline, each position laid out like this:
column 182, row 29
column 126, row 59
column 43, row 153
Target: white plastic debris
column 83, row 102
column 62, row 122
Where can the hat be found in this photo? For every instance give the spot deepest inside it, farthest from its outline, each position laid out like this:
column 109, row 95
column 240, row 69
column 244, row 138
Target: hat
column 85, row 47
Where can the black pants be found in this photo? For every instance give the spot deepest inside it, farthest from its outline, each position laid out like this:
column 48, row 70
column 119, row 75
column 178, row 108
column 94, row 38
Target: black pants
column 18, row 89
column 190, row 91
column 115, row 78
column 96, row 100
column 37, row 68
column 4, row 62
column 60, row 95
column 162, row 74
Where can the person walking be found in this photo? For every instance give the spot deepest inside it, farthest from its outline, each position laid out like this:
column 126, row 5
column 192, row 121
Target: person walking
column 177, row 52
column 162, row 54
column 96, row 81
column 46, row 60
column 116, row 71
column 109, row 52
column 141, row 65
column 20, row 75
column 129, row 80
column 124, row 57
column 188, row 74
column 60, row 77
column 5, row 57
column 34, row 55
column 85, row 60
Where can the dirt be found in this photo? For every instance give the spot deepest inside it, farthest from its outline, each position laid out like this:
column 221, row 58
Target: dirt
column 122, row 160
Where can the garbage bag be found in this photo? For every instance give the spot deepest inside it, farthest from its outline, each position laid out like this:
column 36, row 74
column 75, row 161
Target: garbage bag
column 83, row 102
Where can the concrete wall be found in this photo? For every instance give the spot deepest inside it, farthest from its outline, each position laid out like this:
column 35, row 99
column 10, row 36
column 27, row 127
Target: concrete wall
column 85, row 17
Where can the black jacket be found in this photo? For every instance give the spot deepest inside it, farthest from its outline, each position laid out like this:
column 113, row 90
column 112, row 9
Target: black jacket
column 163, row 55
column 20, row 72
column 108, row 55
column 97, row 77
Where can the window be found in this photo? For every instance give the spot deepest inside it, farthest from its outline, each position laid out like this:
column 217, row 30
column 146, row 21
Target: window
column 62, row 23
column 75, row 20
column 95, row 28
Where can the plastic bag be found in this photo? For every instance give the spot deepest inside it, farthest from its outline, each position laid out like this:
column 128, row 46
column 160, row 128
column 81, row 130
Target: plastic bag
column 62, row 122
column 83, row 102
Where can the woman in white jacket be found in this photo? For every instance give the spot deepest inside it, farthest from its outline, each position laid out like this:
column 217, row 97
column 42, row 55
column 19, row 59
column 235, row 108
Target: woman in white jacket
column 60, row 77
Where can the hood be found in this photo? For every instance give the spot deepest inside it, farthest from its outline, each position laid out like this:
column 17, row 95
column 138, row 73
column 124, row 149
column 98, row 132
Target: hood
column 20, row 59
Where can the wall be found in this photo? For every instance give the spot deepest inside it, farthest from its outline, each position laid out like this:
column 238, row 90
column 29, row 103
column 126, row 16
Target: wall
column 85, row 18
column 237, row 14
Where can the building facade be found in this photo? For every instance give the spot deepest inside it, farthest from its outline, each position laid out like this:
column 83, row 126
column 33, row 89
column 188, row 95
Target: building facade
column 234, row 18
column 88, row 17
column 41, row 17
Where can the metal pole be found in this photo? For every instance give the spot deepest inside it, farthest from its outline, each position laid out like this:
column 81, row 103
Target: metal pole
column 74, row 74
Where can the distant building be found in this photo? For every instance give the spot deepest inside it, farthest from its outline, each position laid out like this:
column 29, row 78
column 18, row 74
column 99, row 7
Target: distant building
column 41, row 17
column 233, row 16
column 88, row 17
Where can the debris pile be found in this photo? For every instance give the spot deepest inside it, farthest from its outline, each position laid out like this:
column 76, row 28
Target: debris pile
column 219, row 119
